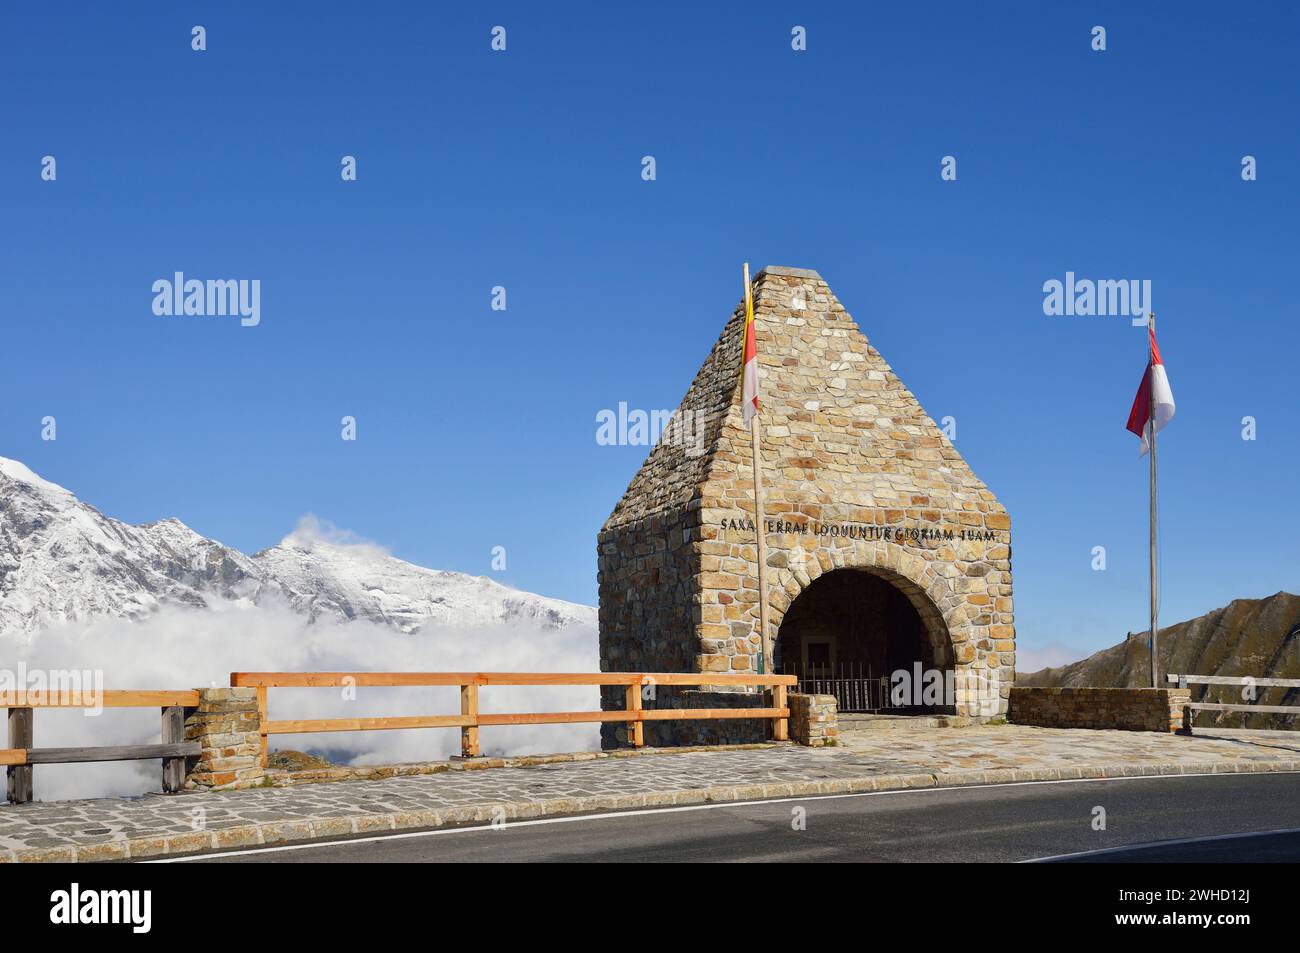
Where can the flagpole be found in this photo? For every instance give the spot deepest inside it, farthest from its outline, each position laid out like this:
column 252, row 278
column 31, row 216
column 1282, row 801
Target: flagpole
column 756, row 439
column 1151, row 423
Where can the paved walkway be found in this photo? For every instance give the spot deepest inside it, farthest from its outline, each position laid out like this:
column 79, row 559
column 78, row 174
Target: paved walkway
column 154, row 825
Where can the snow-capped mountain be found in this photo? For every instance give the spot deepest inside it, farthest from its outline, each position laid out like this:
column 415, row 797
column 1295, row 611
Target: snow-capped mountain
column 353, row 580
column 62, row 560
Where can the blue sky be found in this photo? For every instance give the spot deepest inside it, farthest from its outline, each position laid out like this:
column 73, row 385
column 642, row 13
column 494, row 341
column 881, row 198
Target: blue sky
column 475, row 168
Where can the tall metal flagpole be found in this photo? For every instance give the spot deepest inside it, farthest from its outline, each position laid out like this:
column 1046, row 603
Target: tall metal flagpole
column 756, row 439
column 1151, row 424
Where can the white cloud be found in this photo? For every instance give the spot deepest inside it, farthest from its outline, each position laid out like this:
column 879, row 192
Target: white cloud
column 180, row 648
column 312, row 531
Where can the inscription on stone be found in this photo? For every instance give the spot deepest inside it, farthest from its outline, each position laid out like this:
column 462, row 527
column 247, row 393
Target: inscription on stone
column 898, row 534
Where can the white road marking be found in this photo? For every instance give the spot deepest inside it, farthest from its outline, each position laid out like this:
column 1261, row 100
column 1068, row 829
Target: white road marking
column 1176, row 842
column 575, row 818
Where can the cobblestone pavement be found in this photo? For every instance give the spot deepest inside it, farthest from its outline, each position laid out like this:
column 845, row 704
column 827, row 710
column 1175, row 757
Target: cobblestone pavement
column 1017, row 746
column 153, row 825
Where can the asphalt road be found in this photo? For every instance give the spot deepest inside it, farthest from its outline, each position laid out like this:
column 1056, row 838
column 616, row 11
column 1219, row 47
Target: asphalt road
column 1182, row 818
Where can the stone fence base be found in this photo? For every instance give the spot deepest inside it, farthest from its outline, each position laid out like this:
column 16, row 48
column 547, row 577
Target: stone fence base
column 675, row 734
column 814, row 721
column 1126, row 709
column 228, row 730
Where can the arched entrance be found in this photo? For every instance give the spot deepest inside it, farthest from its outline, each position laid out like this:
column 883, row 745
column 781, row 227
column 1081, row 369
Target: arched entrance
column 850, row 630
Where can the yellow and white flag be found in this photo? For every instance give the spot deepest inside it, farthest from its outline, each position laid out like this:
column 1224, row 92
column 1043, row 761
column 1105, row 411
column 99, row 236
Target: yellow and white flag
column 749, row 389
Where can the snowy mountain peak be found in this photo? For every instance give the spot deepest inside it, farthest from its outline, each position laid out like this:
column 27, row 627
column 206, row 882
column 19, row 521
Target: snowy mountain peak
column 62, row 560
column 19, row 473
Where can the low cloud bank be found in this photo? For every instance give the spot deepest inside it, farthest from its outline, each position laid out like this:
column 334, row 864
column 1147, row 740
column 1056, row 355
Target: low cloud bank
column 180, row 648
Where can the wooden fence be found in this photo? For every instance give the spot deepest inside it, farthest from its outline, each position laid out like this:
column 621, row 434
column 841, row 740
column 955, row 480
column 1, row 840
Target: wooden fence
column 471, row 719
column 20, row 756
column 1183, row 681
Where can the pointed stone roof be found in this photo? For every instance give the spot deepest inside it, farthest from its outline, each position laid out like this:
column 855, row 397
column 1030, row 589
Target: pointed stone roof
column 839, row 427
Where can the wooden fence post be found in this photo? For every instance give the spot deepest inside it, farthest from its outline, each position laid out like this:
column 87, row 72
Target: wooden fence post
column 262, row 718
column 469, row 733
column 780, row 726
column 18, row 781
column 173, row 732
column 635, row 729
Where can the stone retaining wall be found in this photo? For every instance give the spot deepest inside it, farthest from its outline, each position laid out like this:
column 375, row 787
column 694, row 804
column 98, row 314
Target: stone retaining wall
column 1127, row 709
column 713, row 731
column 812, row 719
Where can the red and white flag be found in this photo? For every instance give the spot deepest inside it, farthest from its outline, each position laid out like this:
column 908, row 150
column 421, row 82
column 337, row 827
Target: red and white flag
column 1153, row 389
column 749, row 387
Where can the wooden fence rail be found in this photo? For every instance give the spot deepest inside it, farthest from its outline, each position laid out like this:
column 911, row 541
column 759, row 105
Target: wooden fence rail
column 471, row 719
column 19, row 757
column 1183, row 681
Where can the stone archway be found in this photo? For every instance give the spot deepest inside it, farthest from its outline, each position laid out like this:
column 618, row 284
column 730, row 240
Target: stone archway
column 850, row 629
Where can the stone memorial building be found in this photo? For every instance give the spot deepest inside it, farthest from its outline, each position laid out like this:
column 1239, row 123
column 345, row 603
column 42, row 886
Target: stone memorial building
column 885, row 553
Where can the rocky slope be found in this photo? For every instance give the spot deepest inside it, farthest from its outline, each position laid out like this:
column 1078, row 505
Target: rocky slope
column 63, row 560
column 1259, row 637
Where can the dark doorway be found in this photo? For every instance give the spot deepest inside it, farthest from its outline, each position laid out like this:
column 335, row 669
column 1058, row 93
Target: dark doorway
column 849, row 632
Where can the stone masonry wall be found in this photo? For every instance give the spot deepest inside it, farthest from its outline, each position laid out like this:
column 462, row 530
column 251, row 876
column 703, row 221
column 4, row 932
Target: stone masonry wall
column 813, row 720
column 1128, row 709
column 714, row 731
column 644, row 608
column 226, row 725
column 856, row 476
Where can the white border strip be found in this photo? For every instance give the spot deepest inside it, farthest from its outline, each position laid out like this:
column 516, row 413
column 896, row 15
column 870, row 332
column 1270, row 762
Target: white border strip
column 574, row 818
